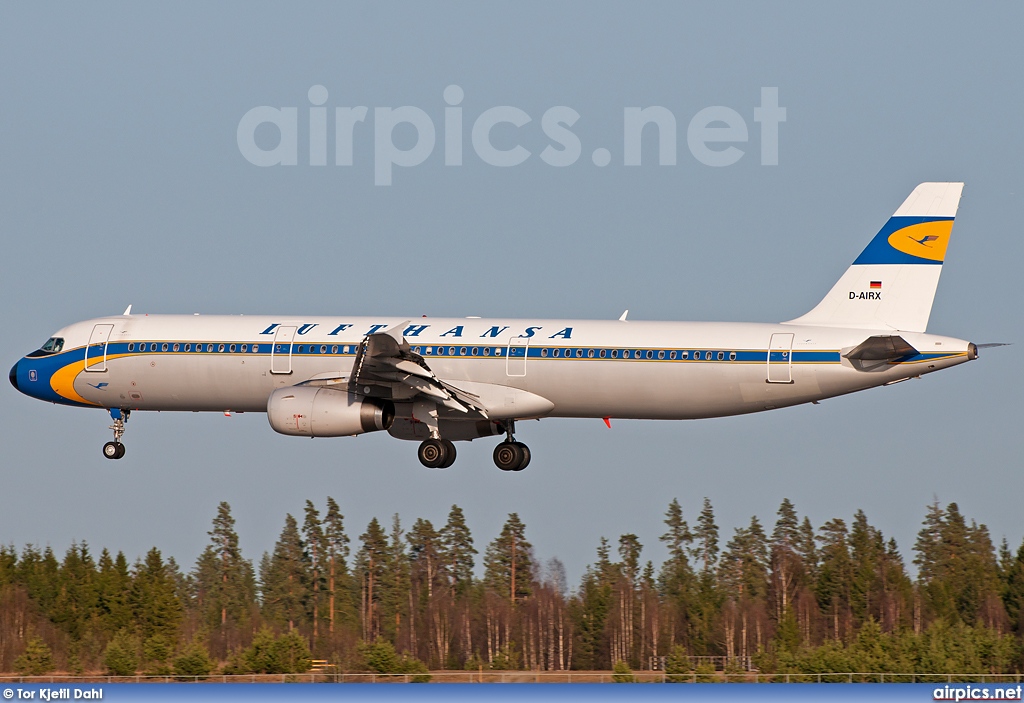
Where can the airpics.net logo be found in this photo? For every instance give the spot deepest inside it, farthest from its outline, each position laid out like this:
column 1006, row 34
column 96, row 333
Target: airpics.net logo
column 715, row 136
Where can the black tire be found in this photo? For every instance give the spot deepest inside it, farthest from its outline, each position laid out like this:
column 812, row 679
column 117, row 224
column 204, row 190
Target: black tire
column 432, row 453
column 113, row 450
column 449, row 448
column 526, row 457
column 508, row 456
column 120, row 451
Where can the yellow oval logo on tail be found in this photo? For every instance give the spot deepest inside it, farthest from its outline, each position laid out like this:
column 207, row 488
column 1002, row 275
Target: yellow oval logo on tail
column 926, row 240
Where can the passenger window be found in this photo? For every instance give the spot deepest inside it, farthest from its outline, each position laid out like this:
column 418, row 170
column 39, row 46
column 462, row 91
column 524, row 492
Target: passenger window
column 579, row 353
column 671, row 355
column 220, row 347
column 176, row 347
column 462, row 351
column 590, row 353
column 661, row 354
column 131, row 346
column 543, row 352
column 323, row 349
column 487, row 351
column 209, row 347
column 615, row 353
column 686, row 355
column 334, row 349
column 603, row 353
column 232, row 348
column 476, row 351
column 650, row 354
column 732, row 356
column 708, row 356
column 188, row 347
column 163, row 347
column 721, row 355
column 245, row 348
column 451, row 351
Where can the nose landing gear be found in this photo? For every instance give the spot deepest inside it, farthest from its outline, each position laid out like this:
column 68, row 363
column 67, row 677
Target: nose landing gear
column 115, row 450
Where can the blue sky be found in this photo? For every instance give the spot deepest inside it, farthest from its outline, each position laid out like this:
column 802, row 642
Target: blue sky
column 123, row 182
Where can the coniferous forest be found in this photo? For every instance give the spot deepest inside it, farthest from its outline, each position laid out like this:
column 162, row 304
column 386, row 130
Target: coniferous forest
column 395, row 597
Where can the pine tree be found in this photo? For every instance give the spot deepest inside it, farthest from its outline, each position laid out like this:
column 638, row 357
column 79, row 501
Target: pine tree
column 676, row 577
column 1013, row 591
column 156, row 609
column 706, row 537
column 285, row 586
column 866, row 550
column 508, row 561
column 336, row 550
column 372, row 568
column 807, row 550
column 707, row 600
column 36, row 660
column 396, row 592
column 834, row 573
column 786, row 569
column 316, row 546
column 112, row 588
column 457, row 547
column 929, row 543
column 425, row 556
column 591, row 609
column 225, row 582
column 77, row 600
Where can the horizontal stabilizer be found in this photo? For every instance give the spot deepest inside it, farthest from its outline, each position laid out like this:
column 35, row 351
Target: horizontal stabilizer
column 881, row 348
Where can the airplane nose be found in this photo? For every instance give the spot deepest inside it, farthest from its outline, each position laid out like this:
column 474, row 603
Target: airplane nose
column 14, row 377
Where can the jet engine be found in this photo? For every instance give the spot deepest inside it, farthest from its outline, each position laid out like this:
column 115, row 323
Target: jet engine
column 309, row 411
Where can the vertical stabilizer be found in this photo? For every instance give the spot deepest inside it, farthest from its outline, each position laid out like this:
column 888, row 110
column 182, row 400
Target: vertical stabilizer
column 892, row 283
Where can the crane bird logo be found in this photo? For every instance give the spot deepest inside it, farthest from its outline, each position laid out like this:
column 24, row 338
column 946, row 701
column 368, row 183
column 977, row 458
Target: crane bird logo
column 926, row 240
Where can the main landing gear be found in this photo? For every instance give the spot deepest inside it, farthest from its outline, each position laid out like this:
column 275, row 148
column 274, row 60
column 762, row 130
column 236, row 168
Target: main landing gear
column 437, row 453
column 511, row 455
column 115, row 450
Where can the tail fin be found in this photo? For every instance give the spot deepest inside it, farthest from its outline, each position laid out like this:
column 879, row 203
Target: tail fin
column 892, row 283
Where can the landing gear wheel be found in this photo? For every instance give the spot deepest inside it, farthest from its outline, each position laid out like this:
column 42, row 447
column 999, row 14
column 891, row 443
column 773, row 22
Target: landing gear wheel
column 511, row 456
column 450, row 450
column 436, row 453
column 113, row 450
column 526, row 456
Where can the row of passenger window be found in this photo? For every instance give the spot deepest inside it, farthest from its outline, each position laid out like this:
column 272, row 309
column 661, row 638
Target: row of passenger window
column 578, row 353
column 188, row 347
column 545, row 352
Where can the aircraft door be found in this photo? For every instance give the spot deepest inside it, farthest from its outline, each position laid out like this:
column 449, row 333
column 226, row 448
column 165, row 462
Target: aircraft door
column 515, row 361
column 281, row 351
column 96, row 352
column 780, row 358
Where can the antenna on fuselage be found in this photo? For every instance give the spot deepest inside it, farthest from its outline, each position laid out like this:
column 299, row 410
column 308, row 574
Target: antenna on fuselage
column 127, row 311
column 622, row 318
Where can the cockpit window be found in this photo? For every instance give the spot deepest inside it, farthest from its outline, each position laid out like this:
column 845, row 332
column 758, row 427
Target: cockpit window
column 53, row 345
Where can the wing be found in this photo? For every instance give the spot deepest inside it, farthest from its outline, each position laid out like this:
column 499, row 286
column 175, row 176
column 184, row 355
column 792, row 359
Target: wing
column 386, row 367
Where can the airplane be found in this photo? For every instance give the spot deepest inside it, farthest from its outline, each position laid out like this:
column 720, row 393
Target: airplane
column 443, row 380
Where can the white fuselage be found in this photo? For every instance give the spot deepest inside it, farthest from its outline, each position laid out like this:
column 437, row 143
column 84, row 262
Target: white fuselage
column 584, row 368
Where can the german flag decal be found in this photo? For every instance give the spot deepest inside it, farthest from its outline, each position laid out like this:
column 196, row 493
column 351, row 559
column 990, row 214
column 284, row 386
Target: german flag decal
column 876, row 285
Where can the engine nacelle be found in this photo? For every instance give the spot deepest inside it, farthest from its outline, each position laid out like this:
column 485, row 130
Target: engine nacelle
column 309, row 411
